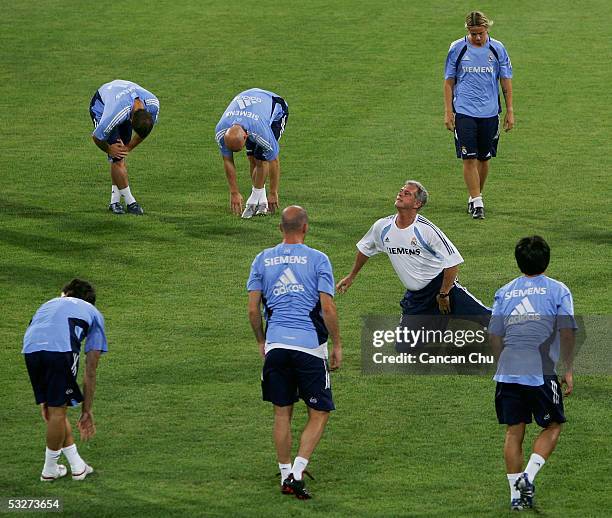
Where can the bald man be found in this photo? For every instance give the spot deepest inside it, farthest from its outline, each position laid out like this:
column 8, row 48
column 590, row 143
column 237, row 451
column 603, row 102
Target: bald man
column 255, row 120
column 295, row 285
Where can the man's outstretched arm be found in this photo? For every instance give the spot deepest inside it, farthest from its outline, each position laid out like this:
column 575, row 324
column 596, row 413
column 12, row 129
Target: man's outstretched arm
column 230, row 173
column 255, row 319
column 345, row 283
column 330, row 317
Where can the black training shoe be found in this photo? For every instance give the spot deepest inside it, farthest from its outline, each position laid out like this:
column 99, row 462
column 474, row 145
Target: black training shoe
column 470, row 207
column 297, row 486
column 527, row 490
column 134, row 208
column 286, row 489
column 116, row 208
column 477, row 214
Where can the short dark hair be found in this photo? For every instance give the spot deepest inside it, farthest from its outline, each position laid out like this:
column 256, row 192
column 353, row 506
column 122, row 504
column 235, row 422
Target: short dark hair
column 80, row 289
column 142, row 122
column 532, row 255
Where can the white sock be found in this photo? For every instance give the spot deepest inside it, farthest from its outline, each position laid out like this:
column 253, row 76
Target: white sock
column 77, row 464
column 299, row 465
column 285, row 469
column 127, row 194
column 478, row 201
column 115, row 194
column 471, row 199
column 533, row 466
column 51, row 458
column 257, row 196
column 514, row 493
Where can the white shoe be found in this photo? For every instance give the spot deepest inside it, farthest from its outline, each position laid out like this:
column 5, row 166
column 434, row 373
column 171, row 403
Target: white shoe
column 81, row 476
column 249, row 212
column 262, row 209
column 61, row 472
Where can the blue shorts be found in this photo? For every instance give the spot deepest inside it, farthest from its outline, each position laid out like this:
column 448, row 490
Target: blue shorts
column 123, row 131
column 476, row 137
column 277, row 127
column 515, row 403
column 290, row 375
column 54, row 377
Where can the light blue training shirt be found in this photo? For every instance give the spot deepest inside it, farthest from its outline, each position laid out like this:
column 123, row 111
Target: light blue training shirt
column 477, row 74
column 118, row 100
column 290, row 278
column 61, row 324
column 528, row 313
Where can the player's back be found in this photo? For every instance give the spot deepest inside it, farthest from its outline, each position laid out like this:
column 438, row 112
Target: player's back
column 528, row 312
column 291, row 277
column 60, row 324
column 120, row 90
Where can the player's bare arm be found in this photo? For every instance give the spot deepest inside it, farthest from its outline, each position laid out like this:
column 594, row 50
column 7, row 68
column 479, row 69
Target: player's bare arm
column 347, row 281
column 136, row 139
column 255, row 319
column 506, row 85
column 236, row 204
column 274, row 181
column 330, row 317
column 497, row 344
column 450, row 274
column 449, row 116
column 568, row 342
column 86, row 424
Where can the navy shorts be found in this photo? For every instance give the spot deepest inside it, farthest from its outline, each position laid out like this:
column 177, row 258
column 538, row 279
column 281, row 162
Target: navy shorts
column 290, row 375
column 516, row 403
column 476, row 137
column 420, row 308
column 54, row 377
column 123, row 131
column 277, row 127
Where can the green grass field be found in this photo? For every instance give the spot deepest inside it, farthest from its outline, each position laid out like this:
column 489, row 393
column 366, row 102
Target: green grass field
column 182, row 429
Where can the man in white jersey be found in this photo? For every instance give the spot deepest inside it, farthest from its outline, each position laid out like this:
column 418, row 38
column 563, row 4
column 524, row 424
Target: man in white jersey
column 424, row 259
column 295, row 286
column 533, row 320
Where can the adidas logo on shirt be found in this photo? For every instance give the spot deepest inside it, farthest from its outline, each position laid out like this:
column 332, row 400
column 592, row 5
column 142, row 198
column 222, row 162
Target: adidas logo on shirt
column 523, row 312
column 287, row 283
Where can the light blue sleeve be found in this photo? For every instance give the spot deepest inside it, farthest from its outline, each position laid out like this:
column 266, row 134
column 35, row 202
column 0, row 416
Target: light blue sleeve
column 496, row 324
column 110, row 119
column 224, row 150
column 565, row 310
column 505, row 65
column 450, row 68
column 96, row 337
column 325, row 276
column 153, row 109
column 220, row 130
column 255, row 282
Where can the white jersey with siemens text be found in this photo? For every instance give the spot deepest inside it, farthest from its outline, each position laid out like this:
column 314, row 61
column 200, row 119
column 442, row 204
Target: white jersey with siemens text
column 418, row 253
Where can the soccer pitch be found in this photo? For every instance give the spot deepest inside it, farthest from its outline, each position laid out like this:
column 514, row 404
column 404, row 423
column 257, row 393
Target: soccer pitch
column 182, row 430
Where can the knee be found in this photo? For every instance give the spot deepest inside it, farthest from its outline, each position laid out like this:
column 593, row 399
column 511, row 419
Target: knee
column 320, row 416
column 515, row 433
column 56, row 414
